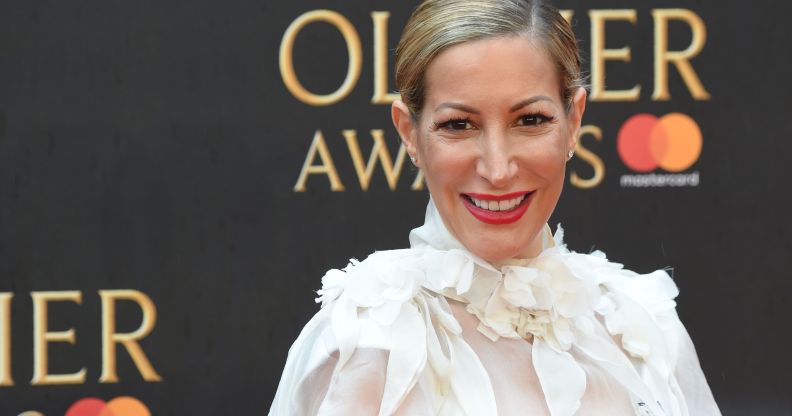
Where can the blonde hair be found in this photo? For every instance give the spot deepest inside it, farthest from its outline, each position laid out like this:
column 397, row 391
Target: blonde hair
column 438, row 24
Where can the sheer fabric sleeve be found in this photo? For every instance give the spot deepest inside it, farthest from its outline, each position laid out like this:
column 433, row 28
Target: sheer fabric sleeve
column 365, row 350
column 315, row 383
column 691, row 383
column 356, row 389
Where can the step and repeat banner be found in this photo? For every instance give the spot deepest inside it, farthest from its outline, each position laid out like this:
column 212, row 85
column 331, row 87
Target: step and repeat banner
column 176, row 177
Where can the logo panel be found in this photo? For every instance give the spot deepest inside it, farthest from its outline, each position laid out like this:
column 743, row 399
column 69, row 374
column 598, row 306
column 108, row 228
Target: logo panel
column 672, row 142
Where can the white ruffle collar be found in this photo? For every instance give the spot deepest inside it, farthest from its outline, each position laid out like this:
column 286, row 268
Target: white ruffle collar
column 523, row 298
column 567, row 304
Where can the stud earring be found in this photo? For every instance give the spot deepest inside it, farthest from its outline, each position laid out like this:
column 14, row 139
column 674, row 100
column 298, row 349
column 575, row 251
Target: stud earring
column 413, row 159
column 570, row 154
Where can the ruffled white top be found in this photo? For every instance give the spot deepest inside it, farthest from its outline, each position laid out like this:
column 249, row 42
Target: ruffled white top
column 435, row 330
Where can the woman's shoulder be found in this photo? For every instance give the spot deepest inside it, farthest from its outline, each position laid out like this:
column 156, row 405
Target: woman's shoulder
column 384, row 278
column 639, row 308
column 368, row 303
column 655, row 290
column 375, row 305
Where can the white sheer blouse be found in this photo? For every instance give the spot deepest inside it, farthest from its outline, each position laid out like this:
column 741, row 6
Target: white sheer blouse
column 434, row 330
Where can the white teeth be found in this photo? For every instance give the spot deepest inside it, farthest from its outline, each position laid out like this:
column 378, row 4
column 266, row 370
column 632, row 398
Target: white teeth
column 504, row 205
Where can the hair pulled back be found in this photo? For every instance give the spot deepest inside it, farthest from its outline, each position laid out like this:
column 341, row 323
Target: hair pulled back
column 438, row 24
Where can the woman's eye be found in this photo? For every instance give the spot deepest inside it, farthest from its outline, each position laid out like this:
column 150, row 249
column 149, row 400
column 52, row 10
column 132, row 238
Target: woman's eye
column 456, row 124
column 533, row 120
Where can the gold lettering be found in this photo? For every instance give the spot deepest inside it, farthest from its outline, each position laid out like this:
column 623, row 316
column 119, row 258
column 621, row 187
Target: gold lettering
column 41, row 337
column 354, row 51
column 381, row 94
column 378, row 151
column 418, row 183
column 681, row 59
column 591, row 158
column 129, row 340
column 327, row 167
column 599, row 55
column 5, row 339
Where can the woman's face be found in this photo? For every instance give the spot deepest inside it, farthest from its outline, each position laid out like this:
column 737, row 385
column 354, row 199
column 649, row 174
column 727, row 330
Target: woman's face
column 493, row 140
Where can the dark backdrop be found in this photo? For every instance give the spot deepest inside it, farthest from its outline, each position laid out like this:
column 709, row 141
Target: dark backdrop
column 153, row 146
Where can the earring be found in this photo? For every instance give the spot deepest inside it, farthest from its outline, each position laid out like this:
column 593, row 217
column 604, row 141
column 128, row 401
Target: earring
column 570, row 154
column 413, row 159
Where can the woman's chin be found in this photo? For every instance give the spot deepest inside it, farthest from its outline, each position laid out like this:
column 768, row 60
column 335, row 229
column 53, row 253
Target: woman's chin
column 497, row 247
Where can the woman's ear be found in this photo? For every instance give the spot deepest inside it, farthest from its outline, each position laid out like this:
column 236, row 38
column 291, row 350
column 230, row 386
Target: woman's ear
column 406, row 126
column 576, row 111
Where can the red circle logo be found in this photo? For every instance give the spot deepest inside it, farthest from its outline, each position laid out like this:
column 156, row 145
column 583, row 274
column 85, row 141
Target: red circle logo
column 672, row 142
column 120, row 406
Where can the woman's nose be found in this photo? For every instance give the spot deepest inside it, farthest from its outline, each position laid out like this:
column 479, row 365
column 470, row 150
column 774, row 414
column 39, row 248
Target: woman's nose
column 496, row 163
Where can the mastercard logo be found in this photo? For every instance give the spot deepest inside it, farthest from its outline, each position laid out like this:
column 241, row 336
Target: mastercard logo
column 120, row 406
column 671, row 142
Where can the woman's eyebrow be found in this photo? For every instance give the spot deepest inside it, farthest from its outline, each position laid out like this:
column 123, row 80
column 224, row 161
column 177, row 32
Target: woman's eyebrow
column 458, row 106
column 469, row 109
column 529, row 101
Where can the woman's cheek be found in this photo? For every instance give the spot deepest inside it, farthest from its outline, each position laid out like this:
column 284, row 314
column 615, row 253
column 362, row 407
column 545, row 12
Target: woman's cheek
column 546, row 165
column 446, row 162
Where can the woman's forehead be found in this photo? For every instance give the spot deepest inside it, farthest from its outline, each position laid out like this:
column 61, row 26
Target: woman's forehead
column 491, row 68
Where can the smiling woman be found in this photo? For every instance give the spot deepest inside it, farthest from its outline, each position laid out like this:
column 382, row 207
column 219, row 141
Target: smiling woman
column 493, row 127
column 487, row 313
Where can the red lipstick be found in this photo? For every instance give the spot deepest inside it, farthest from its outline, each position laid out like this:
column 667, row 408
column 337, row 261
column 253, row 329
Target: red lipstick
column 498, row 217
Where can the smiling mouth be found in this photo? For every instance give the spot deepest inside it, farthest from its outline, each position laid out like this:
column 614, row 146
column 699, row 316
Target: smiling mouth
column 498, row 209
column 492, row 205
